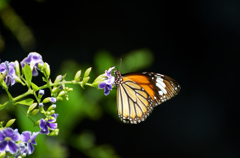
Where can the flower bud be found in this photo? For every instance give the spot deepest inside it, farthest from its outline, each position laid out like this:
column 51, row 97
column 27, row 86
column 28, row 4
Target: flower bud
column 55, row 132
column 51, row 112
column 69, row 89
column 46, row 100
column 17, row 69
column 99, row 79
column 41, row 92
column 58, row 78
column 34, row 112
column 31, row 107
column 10, row 122
column 87, row 72
column 53, row 106
column 59, row 98
column 85, row 80
column 62, row 93
column 46, row 67
column 77, row 76
column 40, row 66
column 37, row 123
column 41, row 109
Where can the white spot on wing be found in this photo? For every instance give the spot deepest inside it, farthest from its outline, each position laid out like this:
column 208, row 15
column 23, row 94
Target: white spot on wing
column 160, row 92
column 161, row 87
column 160, row 81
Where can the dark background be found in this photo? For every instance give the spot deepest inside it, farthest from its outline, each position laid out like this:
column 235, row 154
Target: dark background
column 195, row 42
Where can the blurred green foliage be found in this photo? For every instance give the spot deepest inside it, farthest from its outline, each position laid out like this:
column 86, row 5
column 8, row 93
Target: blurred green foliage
column 87, row 103
column 16, row 25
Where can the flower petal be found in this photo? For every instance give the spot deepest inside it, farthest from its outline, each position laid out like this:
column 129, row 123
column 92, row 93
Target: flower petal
column 52, row 126
column 42, row 124
column 106, row 91
column 26, row 135
column 53, row 120
column 8, row 132
column 45, row 131
column 30, row 148
column 102, row 85
column 3, row 145
column 16, row 136
column 34, row 72
column 13, row 148
column 34, row 135
column 111, row 80
column 2, row 136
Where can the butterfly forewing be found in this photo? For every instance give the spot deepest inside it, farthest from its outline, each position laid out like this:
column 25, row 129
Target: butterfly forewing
column 138, row 93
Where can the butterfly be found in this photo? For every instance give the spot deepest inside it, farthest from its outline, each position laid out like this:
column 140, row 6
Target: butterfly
column 139, row 93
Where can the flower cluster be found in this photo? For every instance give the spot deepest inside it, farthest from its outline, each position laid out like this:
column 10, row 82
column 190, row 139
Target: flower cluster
column 15, row 143
column 12, row 143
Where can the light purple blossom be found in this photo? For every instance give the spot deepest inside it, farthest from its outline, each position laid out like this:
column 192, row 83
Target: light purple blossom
column 33, row 59
column 53, row 100
column 40, row 104
column 41, row 92
column 22, row 150
column 44, row 125
column 8, row 137
column 108, row 82
column 30, row 140
column 9, row 69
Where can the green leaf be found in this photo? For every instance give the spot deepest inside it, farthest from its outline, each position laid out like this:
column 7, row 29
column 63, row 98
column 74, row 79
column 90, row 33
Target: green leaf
column 28, row 74
column 10, row 122
column 34, row 87
column 28, row 102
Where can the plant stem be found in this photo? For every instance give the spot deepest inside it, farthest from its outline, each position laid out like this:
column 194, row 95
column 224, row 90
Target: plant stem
column 9, row 95
column 63, row 82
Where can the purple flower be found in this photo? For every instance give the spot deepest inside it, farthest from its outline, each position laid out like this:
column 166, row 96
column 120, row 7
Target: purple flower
column 40, row 104
column 53, row 100
column 108, row 82
column 22, row 150
column 9, row 70
column 30, row 140
column 44, row 125
column 8, row 136
column 33, row 59
column 41, row 92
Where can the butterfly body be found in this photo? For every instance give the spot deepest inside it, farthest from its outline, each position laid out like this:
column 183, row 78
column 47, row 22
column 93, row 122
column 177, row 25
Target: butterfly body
column 139, row 93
